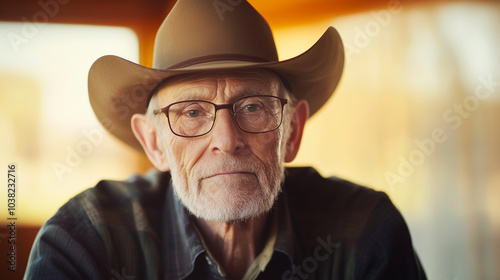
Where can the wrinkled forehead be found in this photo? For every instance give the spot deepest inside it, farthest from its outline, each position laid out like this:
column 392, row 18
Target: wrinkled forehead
column 208, row 85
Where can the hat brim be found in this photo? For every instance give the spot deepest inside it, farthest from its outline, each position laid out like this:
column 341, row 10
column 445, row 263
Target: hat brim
column 119, row 88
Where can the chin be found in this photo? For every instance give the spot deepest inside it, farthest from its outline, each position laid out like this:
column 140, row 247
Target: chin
column 229, row 198
column 234, row 215
column 229, row 207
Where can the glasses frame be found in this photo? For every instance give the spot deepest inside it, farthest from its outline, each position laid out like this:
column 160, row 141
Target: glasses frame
column 218, row 107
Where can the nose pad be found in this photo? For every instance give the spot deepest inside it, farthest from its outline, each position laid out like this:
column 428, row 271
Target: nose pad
column 226, row 135
column 226, row 120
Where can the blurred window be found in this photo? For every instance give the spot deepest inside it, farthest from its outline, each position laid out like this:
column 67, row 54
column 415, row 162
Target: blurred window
column 48, row 127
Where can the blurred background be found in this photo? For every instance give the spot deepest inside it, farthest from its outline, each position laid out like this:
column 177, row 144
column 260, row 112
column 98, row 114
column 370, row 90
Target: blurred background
column 416, row 114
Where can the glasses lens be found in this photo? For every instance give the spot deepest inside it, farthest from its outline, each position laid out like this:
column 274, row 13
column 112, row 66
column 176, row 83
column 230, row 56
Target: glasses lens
column 258, row 113
column 191, row 118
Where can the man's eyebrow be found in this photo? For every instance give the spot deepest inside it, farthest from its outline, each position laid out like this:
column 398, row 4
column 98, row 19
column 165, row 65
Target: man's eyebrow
column 197, row 94
column 191, row 94
column 251, row 91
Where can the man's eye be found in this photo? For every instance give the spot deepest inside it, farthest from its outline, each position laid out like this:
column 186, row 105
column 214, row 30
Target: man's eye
column 252, row 108
column 193, row 113
column 193, row 110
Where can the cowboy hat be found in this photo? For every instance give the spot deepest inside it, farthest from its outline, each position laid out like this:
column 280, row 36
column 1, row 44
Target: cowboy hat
column 202, row 36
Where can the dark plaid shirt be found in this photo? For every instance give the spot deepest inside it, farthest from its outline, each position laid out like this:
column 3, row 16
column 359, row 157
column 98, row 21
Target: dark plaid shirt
column 137, row 229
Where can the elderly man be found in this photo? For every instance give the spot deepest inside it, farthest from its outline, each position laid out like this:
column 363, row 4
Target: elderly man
column 218, row 116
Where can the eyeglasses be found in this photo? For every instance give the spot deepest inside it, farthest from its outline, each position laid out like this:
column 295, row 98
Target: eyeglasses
column 252, row 114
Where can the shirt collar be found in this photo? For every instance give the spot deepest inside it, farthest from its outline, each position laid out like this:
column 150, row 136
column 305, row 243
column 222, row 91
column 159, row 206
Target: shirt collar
column 285, row 240
column 181, row 244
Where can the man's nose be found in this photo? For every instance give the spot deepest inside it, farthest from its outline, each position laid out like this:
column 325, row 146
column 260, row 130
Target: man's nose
column 226, row 135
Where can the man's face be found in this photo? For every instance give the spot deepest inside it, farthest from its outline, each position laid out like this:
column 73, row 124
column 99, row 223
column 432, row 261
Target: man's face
column 227, row 175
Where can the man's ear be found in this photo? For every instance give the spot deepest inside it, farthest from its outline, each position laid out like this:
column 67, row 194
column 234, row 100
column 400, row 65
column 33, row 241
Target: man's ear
column 299, row 117
column 146, row 134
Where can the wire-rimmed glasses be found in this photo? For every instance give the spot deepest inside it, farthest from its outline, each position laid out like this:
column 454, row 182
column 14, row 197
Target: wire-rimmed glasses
column 252, row 114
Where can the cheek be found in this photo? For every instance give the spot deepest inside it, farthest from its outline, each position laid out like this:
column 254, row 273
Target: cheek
column 265, row 140
column 185, row 153
column 266, row 146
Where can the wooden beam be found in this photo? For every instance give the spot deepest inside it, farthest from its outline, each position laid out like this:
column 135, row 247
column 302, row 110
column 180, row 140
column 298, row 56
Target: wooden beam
column 111, row 12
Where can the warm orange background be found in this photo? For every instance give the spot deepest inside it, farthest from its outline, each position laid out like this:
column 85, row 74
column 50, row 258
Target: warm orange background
column 416, row 113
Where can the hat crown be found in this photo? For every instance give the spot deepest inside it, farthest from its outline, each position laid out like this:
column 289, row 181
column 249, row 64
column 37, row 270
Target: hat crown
column 197, row 31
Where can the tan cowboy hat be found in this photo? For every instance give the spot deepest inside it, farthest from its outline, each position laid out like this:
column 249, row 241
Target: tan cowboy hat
column 202, row 36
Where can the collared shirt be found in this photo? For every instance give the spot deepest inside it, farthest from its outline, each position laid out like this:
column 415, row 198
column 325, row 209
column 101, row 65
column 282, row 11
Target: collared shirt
column 326, row 228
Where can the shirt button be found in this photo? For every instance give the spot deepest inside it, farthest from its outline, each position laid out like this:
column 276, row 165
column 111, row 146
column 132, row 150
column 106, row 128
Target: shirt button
column 208, row 260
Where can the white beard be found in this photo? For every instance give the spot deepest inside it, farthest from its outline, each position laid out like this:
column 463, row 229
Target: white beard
column 230, row 198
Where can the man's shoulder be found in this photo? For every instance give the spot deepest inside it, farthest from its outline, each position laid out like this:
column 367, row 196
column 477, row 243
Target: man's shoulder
column 307, row 184
column 333, row 204
column 138, row 188
column 109, row 200
column 371, row 233
column 113, row 223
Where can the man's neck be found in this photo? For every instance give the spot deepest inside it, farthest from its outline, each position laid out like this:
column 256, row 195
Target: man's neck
column 235, row 245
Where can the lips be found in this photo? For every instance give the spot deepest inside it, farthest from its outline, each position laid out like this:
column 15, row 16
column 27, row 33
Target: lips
column 229, row 173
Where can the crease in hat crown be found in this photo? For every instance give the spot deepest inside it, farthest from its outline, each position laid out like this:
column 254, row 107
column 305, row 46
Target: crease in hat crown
column 241, row 34
column 194, row 38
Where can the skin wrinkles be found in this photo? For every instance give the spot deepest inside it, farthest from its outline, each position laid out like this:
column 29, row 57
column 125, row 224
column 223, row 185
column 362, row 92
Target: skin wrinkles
column 228, row 179
column 254, row 84
column 225, row 149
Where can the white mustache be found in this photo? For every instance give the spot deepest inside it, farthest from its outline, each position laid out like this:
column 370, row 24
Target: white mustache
column 227, row 165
